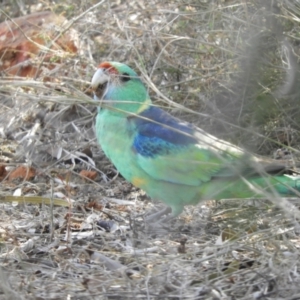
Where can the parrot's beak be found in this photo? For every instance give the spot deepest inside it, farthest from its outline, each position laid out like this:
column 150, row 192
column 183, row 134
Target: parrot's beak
column 99, row 82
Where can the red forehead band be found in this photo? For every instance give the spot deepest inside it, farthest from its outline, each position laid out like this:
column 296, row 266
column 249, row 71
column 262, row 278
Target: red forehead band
column 108, row 67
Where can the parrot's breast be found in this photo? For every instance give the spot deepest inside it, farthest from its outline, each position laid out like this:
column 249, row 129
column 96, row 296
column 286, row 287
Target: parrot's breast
column 116, row 136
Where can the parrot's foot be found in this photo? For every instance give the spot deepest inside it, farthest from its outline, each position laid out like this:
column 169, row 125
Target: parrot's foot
column 157, row 217
column 158, row 222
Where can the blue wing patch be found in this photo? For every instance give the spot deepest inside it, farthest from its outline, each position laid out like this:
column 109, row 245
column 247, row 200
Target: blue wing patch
column 159, row 133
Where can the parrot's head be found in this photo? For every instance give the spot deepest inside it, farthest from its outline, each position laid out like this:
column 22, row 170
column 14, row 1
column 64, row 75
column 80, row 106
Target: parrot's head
column 120, row 87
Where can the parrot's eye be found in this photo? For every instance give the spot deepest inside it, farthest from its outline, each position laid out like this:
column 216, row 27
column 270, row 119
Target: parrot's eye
column 125, row 77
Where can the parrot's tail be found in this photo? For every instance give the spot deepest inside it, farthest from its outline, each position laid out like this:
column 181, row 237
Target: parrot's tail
column 254, row 187
column 285, row 185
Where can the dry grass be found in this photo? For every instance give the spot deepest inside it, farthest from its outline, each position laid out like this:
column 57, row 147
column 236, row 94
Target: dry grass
column 219, row 64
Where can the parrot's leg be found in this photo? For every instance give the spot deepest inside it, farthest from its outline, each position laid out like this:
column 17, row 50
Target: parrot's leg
column 157, row 216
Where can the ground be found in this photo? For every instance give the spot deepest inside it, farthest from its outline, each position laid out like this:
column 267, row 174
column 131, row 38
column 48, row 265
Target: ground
column 80, row 233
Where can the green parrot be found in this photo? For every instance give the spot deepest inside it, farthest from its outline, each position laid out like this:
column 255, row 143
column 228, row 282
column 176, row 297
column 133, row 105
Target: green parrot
column 172, row 160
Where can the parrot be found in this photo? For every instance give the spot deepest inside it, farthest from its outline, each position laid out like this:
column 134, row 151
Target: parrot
column 174, row 161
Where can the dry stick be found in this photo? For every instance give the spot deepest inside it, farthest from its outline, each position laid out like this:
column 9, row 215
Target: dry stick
column 51, row 210
column 68, row 218
column 87, row 100
column 34, row 200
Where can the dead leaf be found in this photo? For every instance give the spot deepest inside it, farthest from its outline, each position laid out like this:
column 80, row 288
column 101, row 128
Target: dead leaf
column 88, row 174
column 34, row 37
column 22, row 173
